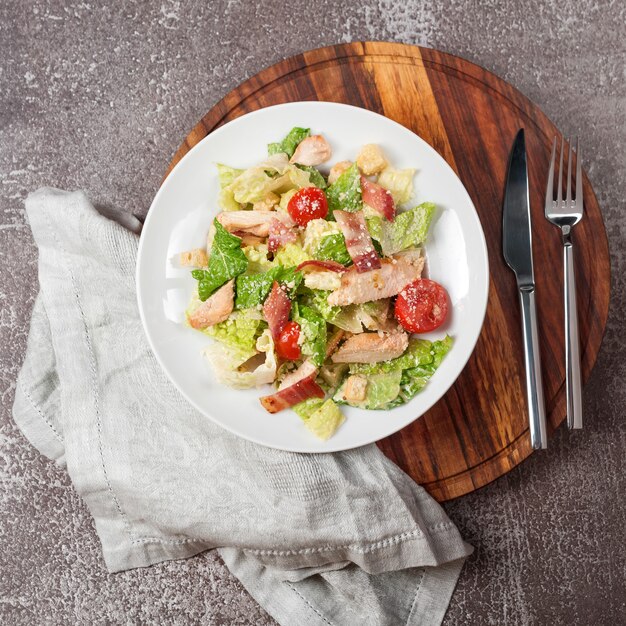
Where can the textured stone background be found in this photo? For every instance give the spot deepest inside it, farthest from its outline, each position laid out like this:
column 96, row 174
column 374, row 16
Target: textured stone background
column 97, row 95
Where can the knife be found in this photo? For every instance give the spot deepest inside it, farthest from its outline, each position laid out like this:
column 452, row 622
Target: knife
column 518, row 254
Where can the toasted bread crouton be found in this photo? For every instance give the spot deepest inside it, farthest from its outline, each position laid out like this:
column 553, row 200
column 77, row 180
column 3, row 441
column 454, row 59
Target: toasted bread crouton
column 268, row 203
column 355, row 389
column 194, row 258
column 371, row 160
column 337, row 170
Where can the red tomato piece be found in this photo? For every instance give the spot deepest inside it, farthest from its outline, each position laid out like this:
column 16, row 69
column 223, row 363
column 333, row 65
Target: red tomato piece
column 287, row 346
column 307, row 204
column 421, row 306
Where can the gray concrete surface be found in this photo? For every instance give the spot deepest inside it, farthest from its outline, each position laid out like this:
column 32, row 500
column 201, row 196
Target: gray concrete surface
column 97, row 95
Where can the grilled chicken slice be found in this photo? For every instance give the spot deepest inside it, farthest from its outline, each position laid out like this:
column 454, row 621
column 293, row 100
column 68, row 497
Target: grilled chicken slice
column 392, row 277
column 311, row 151
column 253, row 222
column 371, row 348
column 306, row 369
column 215, row 309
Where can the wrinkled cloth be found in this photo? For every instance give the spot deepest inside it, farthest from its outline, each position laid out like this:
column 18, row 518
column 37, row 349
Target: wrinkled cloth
column 343, row 538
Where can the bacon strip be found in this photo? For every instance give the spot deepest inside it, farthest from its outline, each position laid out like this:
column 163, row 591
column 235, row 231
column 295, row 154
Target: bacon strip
column 299, row 392
column 314, row 264
column 358, row 240
column 280, row 235
column 276, row 310
column 378, row 198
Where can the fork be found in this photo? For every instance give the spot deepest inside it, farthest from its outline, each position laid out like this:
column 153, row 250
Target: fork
column 566, row 213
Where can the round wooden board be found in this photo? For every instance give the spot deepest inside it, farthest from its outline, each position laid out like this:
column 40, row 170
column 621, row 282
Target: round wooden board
column 479, row 430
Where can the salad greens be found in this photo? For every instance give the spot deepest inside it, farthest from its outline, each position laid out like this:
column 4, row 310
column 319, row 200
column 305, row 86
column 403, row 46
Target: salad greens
column 345, row 193
column 295, row 338
column 226, row 261
column 289, row 144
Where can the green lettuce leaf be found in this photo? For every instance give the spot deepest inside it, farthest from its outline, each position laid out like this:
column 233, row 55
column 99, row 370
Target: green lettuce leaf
column 415, row 379
column 325, row 420
column 257, row 258
column 420, row 352
column 333, row 248
column 345, row 193
column 415, row 367
column 253, row 289
column 289, row 144
column 226, row 261
column 382, row 388
column 291, row 254
column 226, row 362
column 409, row 229
column 398, row 182
column 344, row 317
column 315, row 176
column 239, row 332
column 313, row 328
column 227, row 174
column 307, row 407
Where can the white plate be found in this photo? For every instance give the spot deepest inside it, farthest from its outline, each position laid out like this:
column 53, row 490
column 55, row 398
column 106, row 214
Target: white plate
column 185, row 206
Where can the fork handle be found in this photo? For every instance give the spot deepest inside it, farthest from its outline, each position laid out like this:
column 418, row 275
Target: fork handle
column 532, row 358
column 572, row 343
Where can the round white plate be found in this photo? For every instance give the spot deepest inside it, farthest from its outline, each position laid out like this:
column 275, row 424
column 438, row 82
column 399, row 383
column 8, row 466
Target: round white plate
column 184, row 208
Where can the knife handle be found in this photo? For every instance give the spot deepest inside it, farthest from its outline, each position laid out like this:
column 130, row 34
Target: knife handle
column 532, row 359
column 572, row 349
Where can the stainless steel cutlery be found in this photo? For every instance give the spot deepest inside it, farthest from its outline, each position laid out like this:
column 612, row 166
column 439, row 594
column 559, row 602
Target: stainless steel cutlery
column 566, row 213
column 518, row 253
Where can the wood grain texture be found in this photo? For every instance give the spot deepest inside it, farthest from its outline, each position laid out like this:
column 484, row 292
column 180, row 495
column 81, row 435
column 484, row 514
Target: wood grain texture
column 478, row 431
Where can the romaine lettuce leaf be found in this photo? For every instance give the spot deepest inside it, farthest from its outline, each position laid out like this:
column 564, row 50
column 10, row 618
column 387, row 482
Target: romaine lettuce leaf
column 325, row 420
column 289, row 144
column 313, row 328
column 316, row 230
column 227, row 174
column 415, row 379
column 226, row 200
column 285, row 197
column 257, row 258
column 239, row 332
column 344, row 317
column 307, row 407
column 226, row 362
column 345, row 193
column 315, row 176
column 420, row 352
column 398, row 182
column 291, row 254
column 333, row 248
column 382, row 388
column 226, row 261
column 409, row 229
column 252, row 289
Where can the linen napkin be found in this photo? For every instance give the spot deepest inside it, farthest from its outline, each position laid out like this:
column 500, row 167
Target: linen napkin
column 344, row 538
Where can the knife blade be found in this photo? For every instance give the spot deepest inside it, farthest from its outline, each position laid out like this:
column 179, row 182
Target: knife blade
column 518, row 254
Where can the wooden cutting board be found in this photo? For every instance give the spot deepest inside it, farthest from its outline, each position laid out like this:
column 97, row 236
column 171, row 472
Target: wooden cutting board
column 478, row 431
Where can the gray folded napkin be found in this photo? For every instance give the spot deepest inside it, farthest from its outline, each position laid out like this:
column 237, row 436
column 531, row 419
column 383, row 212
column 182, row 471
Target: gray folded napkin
column 343, row 538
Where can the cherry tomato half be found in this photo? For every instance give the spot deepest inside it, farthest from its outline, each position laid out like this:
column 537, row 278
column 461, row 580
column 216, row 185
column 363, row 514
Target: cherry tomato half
column 287, row 346
column 307, row 204
column 422, row 306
